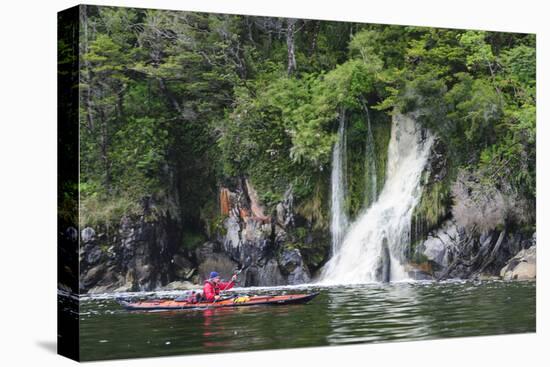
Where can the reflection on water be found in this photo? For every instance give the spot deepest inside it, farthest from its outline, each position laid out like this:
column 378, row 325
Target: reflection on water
column 339, row 315
column 375, row 313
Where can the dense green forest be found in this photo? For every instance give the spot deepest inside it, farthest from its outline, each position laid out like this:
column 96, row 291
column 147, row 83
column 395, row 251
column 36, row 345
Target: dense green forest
column 174, row 105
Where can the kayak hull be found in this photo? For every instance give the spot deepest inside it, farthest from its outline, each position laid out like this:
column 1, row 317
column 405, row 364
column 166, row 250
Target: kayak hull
column 169, row 304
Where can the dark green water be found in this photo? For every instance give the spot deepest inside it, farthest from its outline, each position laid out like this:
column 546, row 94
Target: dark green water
column 339, row 315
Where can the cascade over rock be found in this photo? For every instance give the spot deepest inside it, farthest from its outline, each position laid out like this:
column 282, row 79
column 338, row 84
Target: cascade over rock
column 374, row 247
column 370, row 162
column 339, row 218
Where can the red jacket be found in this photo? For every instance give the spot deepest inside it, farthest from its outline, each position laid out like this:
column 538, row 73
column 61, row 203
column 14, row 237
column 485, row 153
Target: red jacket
column 211, row 290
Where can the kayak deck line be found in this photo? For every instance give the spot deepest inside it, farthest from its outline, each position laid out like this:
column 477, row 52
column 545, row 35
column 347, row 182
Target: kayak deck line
column 170, row 304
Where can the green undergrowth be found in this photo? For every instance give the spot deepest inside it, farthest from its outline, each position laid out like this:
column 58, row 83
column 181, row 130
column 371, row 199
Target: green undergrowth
column 102, row 212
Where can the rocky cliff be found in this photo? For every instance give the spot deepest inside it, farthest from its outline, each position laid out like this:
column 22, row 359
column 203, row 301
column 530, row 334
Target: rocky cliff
column 142, row 254
column 453, row 252
column 139, row 256
column 256, row 242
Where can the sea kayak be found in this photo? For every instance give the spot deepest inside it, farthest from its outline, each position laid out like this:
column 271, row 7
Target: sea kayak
column 171, row 304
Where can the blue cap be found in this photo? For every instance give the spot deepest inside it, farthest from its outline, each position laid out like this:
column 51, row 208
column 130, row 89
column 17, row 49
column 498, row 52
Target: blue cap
column 213, row 274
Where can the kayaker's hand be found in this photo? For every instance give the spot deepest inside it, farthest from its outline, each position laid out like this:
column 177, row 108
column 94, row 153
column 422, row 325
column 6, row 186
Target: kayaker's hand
column 234, row 278
column 217, row 297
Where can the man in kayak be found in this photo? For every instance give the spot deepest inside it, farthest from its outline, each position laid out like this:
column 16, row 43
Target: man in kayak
column 214, row 285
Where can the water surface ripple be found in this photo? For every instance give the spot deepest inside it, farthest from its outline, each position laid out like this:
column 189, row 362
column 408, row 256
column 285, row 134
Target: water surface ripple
column 339, row 315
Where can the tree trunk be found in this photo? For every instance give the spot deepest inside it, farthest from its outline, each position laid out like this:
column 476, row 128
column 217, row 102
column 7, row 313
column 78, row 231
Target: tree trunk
column 164, row 89
column 249, row 25
column 104, row 143
column 314, row 37
column 290, row 29
column 120, row 106
column 86, row 75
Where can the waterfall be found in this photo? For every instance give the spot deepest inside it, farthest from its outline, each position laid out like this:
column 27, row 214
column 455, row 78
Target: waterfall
column 375, row 244
column 370, row 161
column 339, row 219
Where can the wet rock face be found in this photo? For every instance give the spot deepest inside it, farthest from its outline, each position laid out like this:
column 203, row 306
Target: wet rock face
column 253, row 239
column 267, row 274
column 271, row 274
column 292, row 265
column 290, row 260
column 383, row 269
column 93, row 276
column 179, row 285
column 252, row 244
column 138, row 256
column 523, row 266
column 437, row 245
column 246, row 241
column 183, row 267
column 211, row 257
column 87, row 234
column 92, row 254
column 146, row 251
column 285, row 210
column 147, row 255
column 457, row 253
column 299, row 276
column 232, row 238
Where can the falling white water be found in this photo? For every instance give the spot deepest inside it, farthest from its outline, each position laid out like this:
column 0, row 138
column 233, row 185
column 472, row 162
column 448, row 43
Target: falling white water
column 339, row 219
column 370, row 161
column 360, row 256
